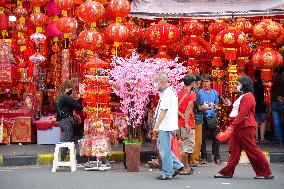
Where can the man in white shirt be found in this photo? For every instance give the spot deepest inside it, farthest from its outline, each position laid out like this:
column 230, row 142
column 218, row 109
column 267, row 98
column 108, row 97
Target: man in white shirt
column 166, row 122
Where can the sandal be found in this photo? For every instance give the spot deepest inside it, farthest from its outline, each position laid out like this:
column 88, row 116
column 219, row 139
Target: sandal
column 218, row 175
column 190, row 172
column 264, row 177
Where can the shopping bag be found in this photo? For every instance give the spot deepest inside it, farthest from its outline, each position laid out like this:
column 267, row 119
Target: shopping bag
column 225, row 135
column 175, row 146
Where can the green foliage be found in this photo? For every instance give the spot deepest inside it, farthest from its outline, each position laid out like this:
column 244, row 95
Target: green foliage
column 132, row 141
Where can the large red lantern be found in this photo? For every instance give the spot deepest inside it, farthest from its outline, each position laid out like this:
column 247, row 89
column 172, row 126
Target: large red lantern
column 231, row 38
column 90, row 11
column 135, row 32
column 38, row 19
column 216, row 27
column 193, row 28
column 4, row 21
column 243, row 25
column 267, row 30
column 38, row 3
column 117, row 32
column 193, row 52
column 65, row 4
column 119, row 8
column 90, row 40
column 267, row 59
column 66, row 25
column 162, row 34
column 216, row 52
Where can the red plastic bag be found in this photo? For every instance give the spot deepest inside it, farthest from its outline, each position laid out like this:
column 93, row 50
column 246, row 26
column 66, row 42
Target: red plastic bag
column 223, row 136
column 175, row 146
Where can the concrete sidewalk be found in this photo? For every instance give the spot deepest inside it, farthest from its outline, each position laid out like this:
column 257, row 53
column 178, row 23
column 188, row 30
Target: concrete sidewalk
column 33, row 154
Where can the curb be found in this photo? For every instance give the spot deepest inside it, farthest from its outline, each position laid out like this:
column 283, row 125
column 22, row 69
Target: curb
column 117, row 156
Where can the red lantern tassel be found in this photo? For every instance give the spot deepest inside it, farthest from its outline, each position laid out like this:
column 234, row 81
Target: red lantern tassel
column 266, row 74
column 231, row 54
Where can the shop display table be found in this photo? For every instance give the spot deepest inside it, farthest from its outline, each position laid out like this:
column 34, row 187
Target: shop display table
column 48, row 131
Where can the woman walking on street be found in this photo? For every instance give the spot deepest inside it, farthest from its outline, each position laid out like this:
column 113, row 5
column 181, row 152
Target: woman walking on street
column 242, row 138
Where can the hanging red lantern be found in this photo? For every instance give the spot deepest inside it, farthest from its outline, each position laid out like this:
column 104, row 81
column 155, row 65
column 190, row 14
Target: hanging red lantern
column 90, row 11
column 65, row 4
column 193, row 27
column 267, row 59
column 119, row 8
column 267, row 30
column 4, row 22
column 162, row 53
column 216, row 27
column 280, row 39
column 3, row 3
column 216, row 52
column 243, row 25
column 66, row 25
column 117, row 32
column 90, row 40
column 135, row 33
column 38, row 19
column 162, row 34
column 38, row 3
column 193, row 52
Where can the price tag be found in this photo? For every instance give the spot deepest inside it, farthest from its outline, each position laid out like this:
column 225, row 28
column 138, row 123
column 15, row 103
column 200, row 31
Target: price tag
column 39, row 29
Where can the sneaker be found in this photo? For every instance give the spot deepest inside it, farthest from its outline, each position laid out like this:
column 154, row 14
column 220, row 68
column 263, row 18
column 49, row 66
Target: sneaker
column 177, row 172
column 161, row 177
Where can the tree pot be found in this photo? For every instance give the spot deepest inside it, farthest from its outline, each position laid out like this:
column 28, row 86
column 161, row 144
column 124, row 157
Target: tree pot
column 132, row 153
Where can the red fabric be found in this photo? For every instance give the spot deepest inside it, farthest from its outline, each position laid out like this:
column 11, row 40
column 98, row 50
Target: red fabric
column 44, row 125
column 175, row 146
column 190, row 97
column 243, row 138
column 223, row 136
column 245, row 117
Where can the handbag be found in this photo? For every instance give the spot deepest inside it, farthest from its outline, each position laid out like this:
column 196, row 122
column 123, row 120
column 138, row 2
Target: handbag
column 175, row 146
column 223, row 136
column 212, row 122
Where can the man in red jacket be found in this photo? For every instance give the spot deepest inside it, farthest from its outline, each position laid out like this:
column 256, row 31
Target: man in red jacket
column 243, row 126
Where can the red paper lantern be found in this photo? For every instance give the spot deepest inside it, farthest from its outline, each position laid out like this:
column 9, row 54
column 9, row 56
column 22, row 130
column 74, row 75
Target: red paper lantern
column 280, row 39
column 267, row 59
column 162, row 34
column 231, row 38
column 65, row 4
column 38, row 3
column 193, row 28
column 90, row 11
column 216, row 27
column 267, row 30
column 66, row 24
column 192, row 50
column 117, row 32
column 4, row 22
column 38, row 19
column 135, row 33
column 3, row 3
column 21, row 12
column 243, row 25
column 162, row 53
column 91, row 40
column 119, row 8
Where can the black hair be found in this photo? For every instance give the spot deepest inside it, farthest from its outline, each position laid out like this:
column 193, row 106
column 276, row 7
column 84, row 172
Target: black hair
column 207, row 77
column 188, row 79
column 197, row 77
column 247, row 84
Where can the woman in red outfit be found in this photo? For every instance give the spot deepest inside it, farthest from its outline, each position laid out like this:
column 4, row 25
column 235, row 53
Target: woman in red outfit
column 243, row 125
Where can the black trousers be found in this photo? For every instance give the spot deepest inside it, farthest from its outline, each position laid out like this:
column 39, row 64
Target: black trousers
column 215, row 142
column 66, row 136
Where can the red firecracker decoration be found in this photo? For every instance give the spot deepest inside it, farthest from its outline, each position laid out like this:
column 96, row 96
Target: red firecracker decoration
column 243, row 25
column 119, row 8
column 162, row 34
column 193, row 28
column 90, row 40
column 267, row 30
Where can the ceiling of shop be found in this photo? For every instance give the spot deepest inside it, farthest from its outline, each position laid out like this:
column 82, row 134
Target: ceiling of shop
column 204, row 6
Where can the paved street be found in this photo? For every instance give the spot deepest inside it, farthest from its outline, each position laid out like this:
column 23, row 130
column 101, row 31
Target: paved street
column 40, row 177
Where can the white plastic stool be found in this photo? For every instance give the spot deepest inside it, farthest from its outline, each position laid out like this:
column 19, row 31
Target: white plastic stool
column 72, row 151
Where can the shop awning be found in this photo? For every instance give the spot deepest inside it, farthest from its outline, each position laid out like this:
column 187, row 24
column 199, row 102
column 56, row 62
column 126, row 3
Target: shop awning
column 205, row 8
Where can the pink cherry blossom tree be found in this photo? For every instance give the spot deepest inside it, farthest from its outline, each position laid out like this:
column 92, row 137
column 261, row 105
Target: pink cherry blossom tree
column 133, row 81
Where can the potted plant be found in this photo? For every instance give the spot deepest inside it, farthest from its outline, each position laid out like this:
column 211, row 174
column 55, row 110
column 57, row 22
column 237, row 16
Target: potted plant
column 133, row 81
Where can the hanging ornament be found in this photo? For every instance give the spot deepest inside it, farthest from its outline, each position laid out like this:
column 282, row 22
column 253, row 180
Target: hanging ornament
column 37, row 38
column 90, row 40
column 66, row 25
column 52, row 9
column 37, row 58
column 243, row 25
column 52, row 29
column 119, row 8
column 193, row 27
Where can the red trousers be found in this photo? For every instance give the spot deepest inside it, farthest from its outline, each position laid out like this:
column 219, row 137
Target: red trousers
column 243, row 138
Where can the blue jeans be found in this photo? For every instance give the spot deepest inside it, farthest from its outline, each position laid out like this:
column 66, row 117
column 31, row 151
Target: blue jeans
column 277, row 117
column 169, row 160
